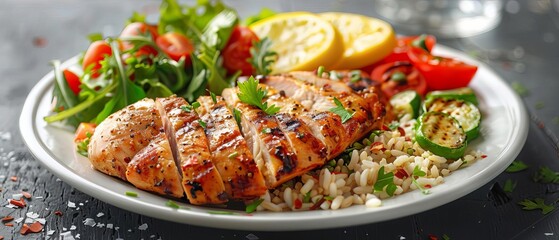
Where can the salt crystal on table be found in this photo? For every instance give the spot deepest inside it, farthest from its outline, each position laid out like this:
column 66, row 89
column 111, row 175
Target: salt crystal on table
column 73, row 227
column 5, row 136
column 109, row 225
column 17, row 196
column 152, row 236
column 64, row 229
column 32, row 215
column 81, row 204
column 67, row 236
column 78, row 235
column 71, row 204
column 50, row 232
column 119, row 239
column 100, row 225
column 41, row 220
column 100, row 214
column 548, row 234
column 29, row 220
column 18, row 220
column 143, row 227
column 89, row 222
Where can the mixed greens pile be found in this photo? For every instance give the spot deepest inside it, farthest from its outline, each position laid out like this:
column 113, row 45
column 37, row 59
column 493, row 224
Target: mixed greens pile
column 134, row 66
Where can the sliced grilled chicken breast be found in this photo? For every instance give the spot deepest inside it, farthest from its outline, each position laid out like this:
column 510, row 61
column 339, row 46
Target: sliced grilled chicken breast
column 230, row 153
column 271, row 149
column 119, row 137
column 153, row 169
column 200, row 179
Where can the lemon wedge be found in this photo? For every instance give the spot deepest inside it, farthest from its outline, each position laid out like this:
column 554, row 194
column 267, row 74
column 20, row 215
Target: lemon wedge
column 366, row 40
column 302, row 40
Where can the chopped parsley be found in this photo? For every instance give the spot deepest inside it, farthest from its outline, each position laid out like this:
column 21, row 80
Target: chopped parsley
column 341, row 111
column 266, row 130
column 355, row 76
column 237, row 116
column 538, row 203
column 195, row 105
column 539, row 105
column 250, row 93
column 253, row 205
column 509, row 186
column 307, row 197
column 415, row 174
column 214, row 98
column 202, row 123
column 385, row 180
column 262, row 57
column 516, row 166
column 82, row 146
column 520, row 89
column 131, row 194
column 172, row 204
column 320, row 71
column 546, row 175
column 186, row 108
column 233, row 155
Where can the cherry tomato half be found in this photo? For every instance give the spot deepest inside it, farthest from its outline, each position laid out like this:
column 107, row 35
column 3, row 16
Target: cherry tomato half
column 96, row 52
column 175, row 45
column 73, row 81
column 237, row 51
column 139, row 29
column 403, row 44
column 442, row 73
column 395, row 77
column 83, row 130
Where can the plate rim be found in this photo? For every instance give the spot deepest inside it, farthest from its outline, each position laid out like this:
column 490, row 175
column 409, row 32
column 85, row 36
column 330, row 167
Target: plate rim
column 263, row 221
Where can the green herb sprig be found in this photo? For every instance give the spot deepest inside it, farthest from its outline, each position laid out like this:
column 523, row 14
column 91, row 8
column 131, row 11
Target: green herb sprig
column 537, row 203
column 250, row 93
column 385, row 180
column 262, row 56
column 341, row 111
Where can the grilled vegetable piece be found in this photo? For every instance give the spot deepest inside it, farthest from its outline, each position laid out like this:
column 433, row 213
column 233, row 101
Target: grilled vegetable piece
column 441, row 134
column 406, row 102
column 119, row 137
column 230, row 153
column 466, row 113
column 317, row 95
column 200, row 179
column 270, row 147
column 153, row 169
column 465, row 93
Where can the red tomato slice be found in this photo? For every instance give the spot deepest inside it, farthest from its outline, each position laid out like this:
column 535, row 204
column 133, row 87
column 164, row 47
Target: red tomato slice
column 175, row 45
column 83, row 130
column 400, row 52
column 396, row 77
column 96, row 52
column 73, row 81
column 442, row 73
column 237, row 51
column 139, row 29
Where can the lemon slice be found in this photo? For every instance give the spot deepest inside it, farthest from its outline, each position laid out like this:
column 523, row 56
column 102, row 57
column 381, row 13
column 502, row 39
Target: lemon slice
column 303, row 41
column 366, row 40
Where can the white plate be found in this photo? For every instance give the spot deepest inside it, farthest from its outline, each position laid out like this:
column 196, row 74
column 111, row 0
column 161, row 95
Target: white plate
column 503, row 133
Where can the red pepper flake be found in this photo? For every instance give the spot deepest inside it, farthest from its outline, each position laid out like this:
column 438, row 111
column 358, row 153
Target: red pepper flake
column 8, row 224
column 298, row 203
column 402, row 132
column 36, row 227
column 26, row 194
column 39, row 41
column 20, row 203
column 58, row 213
column 13, row 178
column 377, row 147
column 427, row 186
column 407, row 138
column 385, row 128
column 483, row 156
column 7, row 218
column 24, row 229
column 433, row 237
column 401, row 173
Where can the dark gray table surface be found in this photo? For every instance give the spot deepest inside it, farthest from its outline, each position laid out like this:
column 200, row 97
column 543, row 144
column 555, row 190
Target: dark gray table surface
column 523, row 49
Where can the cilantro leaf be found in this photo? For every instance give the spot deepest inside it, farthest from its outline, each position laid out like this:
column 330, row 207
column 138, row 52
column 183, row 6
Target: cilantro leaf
column 262, row 57
column 509, row 186
column 341, row 111
column 385, row 180
column 516, row 166
column 546, row 175
column 538, row 203
column 250, row 93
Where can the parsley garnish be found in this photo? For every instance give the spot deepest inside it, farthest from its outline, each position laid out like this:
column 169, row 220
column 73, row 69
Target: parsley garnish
column 509, row 186
column 253, row 205
column 195, row 105
column 415, row 174
column 266, row 130
column 538, row 203
column 82, row 146
column 355, row 76
column 186, row 108
column 172, row 204
column 262, row 57
column 516, row 166
column 202, row 123
column 250, row 93
column 520, row 89
column 214, row 98
column 131, row 194
column 233, row 155
column 341, row 111
column 385, row 180
column 307, row 197
column 546, row 175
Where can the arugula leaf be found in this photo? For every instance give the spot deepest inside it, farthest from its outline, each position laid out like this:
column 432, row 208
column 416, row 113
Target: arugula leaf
column 264, row 13
column 63, row 97
column 509, row 186
column 341, row 111
column 262, row 58
column 250, row 93
column 253, row 205
column 537, row 203
column 219, row 29
column 385, row 180
column 516, row 166
column 546, row 175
